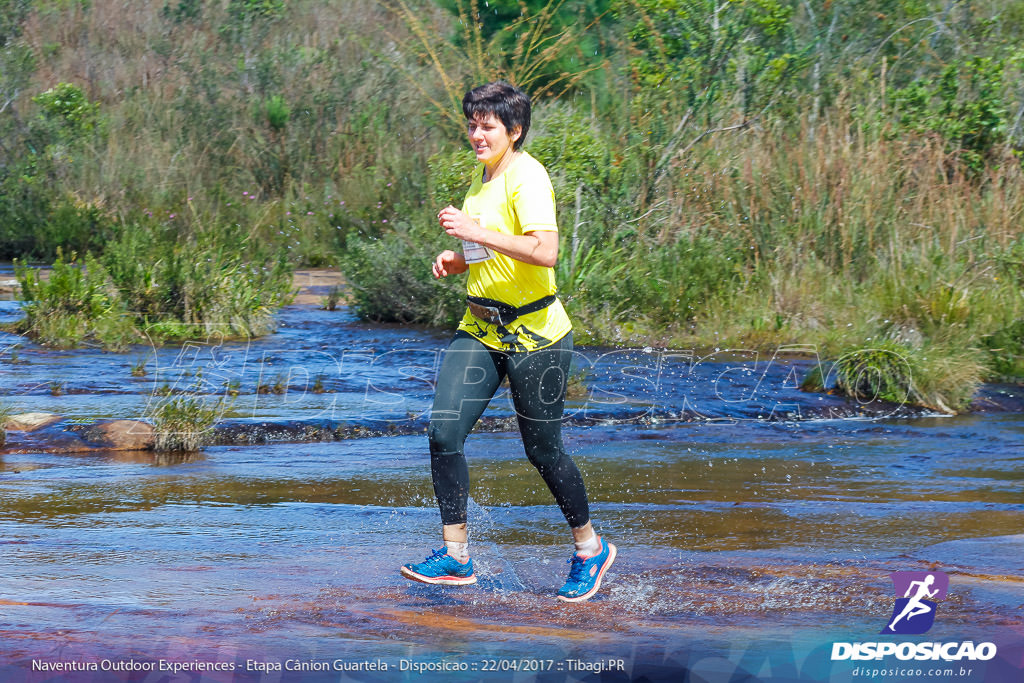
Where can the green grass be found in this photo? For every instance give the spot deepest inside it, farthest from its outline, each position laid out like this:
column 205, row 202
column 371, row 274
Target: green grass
column 1006, row 351
column 184, row 424
column 149, row 287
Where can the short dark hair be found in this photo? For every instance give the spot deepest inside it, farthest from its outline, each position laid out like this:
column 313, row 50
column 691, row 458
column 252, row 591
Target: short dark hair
column 510, row 104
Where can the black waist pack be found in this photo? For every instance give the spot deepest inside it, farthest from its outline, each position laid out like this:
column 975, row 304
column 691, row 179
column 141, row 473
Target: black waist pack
column 500, row 313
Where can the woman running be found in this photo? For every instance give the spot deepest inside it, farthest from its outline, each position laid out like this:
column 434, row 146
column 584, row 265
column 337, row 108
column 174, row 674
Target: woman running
column 514, row 327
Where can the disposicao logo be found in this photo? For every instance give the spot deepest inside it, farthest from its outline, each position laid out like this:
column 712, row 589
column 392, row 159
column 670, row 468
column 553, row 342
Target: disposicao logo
column 914, row 612
column 917, row 598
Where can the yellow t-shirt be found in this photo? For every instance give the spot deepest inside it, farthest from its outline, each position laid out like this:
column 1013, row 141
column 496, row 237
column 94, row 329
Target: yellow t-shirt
column 520, row 200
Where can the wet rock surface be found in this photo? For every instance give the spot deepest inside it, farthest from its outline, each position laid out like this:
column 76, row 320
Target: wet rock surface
column 29, row 422
column 999, row 398
column 117, row 435
column 54, row 434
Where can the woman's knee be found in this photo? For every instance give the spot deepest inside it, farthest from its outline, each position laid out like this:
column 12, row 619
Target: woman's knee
column 446, row 437
column 546, row 457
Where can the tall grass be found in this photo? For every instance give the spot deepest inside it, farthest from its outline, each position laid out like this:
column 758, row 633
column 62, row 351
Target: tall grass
column 847, row 239
column 809, row 178
column 857, row 231
column 186, row 126
column 190, row 286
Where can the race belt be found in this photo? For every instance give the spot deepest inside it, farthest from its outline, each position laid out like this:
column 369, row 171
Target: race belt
column 501, row 313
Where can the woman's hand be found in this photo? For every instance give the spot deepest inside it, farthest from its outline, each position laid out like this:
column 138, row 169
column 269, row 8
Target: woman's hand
column 449, row 262
column 458, row 224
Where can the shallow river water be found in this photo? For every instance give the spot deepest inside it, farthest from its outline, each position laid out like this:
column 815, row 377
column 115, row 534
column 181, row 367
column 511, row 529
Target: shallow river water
column 757, row 525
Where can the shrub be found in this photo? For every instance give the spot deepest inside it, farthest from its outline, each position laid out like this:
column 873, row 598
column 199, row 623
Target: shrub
column 450, row 175
column 66, row 104
column 964, row 106
column 37, row 213
column 667, row 284
column 184, row 287
column 77, row 303
column 184, row 423
column 935, row 377
column 155, row 286
column 391, row 281
column 1006, row 351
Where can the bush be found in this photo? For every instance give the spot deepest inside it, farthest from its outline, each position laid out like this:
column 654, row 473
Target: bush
column 76, row 304
column 576, row 153
column 36, row 213
column 179, row 288
column 658, row 285
column 931, row 376
column 391, row 279
column 963, row 105
column 184, row 424
column 159, row 287
column 68, row 106
column 450, row 175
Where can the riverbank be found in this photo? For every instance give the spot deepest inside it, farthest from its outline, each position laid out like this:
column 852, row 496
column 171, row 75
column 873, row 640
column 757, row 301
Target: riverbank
column 697, row 209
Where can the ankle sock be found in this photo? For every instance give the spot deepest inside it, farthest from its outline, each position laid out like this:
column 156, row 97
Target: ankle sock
column 460, row 551
column 589, row 547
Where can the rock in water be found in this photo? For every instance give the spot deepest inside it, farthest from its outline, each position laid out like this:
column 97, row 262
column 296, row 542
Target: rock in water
column 29, row 422
column 120, row 435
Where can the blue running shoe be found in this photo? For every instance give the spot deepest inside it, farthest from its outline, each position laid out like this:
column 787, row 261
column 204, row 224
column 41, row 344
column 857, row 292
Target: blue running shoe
column 585, row 574
column 441, row 568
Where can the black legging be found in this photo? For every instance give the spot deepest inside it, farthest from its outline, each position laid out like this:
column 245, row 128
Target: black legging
column 470, row 375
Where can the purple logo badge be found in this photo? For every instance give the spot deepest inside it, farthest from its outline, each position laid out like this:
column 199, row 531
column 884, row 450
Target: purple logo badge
column 916, row 596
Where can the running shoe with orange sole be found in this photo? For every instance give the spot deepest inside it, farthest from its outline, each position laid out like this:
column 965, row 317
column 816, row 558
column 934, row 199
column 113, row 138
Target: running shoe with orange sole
column 585, row 574
column 441, row 569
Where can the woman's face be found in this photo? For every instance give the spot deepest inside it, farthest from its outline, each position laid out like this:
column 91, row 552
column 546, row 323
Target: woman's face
column 489, row 137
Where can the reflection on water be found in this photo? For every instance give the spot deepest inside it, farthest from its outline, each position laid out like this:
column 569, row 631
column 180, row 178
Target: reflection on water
column 732, row 530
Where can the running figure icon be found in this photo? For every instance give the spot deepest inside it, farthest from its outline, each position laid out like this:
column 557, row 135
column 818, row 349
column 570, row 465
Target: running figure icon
column 916, row 608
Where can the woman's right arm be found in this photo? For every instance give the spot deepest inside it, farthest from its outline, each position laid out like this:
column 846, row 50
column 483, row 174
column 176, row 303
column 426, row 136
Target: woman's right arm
column 449, row 262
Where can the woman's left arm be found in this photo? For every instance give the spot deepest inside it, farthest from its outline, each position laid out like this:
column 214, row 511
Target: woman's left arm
column 537, row 248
